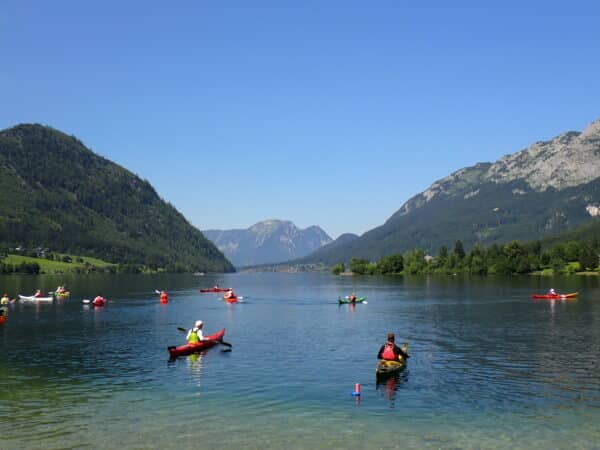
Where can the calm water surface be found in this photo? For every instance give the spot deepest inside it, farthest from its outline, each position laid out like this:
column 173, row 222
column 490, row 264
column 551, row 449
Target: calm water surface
column 490, row 367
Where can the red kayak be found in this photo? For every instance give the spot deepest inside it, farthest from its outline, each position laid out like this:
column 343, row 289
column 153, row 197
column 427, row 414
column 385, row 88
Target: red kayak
column 556, row 296
column 99, row 301
column 214, row 290
column 208, row 342
column 231, row 299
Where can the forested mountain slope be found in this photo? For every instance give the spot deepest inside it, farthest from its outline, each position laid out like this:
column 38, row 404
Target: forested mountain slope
column 57, row 194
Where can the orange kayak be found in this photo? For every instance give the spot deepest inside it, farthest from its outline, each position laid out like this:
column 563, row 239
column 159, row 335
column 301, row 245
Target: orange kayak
column 555, row 297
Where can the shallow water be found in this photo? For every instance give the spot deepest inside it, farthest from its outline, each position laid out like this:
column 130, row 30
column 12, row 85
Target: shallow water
column 490, row 368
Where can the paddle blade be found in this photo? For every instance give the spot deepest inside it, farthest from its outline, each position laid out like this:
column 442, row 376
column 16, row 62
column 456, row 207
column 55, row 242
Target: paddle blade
column 183, row 330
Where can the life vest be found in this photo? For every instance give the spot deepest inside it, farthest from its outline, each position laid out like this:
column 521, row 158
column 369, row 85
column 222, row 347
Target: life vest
column 164, row 298
column 4, row 301
column 193, row 339
column 388, row 353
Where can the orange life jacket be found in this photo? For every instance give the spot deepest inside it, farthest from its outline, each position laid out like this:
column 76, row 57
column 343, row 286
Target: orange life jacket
column 388, row 352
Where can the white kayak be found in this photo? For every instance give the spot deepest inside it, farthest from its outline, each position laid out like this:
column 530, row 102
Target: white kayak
column 32, row 298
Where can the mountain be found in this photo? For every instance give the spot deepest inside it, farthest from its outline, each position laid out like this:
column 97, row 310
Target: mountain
column 57, row 194
column 270, row 241
column 549, row 188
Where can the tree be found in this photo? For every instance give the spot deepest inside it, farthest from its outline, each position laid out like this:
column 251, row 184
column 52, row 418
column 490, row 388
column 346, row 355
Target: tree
column 390, row 264
column 459, row 251
column 588, row 258
column 338, row 268
column 414, row 262
column 359, row 266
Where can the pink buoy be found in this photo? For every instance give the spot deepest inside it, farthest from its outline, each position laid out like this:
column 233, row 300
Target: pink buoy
column 357, row 388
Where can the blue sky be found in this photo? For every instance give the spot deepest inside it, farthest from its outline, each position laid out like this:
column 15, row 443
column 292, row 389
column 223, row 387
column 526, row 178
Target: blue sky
column 331, row 113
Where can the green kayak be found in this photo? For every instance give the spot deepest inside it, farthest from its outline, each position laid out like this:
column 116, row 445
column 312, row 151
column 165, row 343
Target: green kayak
column 387, row 368
column 347, row 300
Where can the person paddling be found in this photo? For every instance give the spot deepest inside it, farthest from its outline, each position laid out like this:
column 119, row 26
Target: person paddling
column 390, row 351
column 229, row 294
column 5, row 300
column 352, row 298
column 164, row 297
column 195, row 335
column 38, row 293
column 552, row 292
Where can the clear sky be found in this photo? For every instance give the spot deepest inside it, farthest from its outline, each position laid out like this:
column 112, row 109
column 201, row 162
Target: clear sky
column 323, row 112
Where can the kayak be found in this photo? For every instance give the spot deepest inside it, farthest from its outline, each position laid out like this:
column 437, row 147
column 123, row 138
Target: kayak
column 208, row 342
column 231, row 299
column 99, row 301
column 2, row 319
column 555, row 297
column 62, row 294
column 32, row 298
column 214, row 290
column 386, row 368
column 346, row 300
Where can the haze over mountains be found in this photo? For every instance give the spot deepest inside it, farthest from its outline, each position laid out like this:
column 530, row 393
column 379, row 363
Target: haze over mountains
column 548, row 188
column 269, row 241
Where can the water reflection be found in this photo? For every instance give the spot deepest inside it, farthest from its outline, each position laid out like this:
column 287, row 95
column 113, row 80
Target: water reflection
column 389, row 385
column 196, row 365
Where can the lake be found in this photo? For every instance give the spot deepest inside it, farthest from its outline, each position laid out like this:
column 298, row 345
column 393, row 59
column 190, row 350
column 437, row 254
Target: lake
column 489, row 366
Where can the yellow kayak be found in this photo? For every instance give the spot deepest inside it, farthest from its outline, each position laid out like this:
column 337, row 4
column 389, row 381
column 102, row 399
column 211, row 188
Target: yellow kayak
column 385, row 368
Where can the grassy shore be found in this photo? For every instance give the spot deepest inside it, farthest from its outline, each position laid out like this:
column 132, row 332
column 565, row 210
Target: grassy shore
column 79, row 264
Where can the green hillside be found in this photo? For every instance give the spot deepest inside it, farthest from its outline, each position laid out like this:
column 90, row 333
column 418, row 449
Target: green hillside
column 60, row 196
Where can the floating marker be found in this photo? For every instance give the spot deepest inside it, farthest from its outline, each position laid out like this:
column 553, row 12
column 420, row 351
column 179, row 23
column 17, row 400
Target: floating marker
column 356, row 392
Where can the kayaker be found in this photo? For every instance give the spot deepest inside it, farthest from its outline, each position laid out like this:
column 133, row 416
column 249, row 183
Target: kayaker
column 390, row 351
column 552, row 292
column 4, row 300
column 195, row 334
column 38, row 293
column 164, row 297
column 229, row 294
column 352, row 298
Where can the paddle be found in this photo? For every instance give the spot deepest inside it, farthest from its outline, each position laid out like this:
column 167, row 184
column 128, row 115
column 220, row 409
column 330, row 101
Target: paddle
column 226, row 344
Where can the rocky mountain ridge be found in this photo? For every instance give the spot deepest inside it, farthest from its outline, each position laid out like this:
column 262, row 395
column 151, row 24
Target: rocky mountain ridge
column 267, row 242
column 548, row 188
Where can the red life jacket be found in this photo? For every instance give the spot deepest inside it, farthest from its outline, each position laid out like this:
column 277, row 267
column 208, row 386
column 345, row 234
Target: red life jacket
column 388, row 352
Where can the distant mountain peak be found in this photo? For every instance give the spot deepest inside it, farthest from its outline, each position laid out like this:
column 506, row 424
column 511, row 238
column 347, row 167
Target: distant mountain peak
column 268, row 241
column 567, row 160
